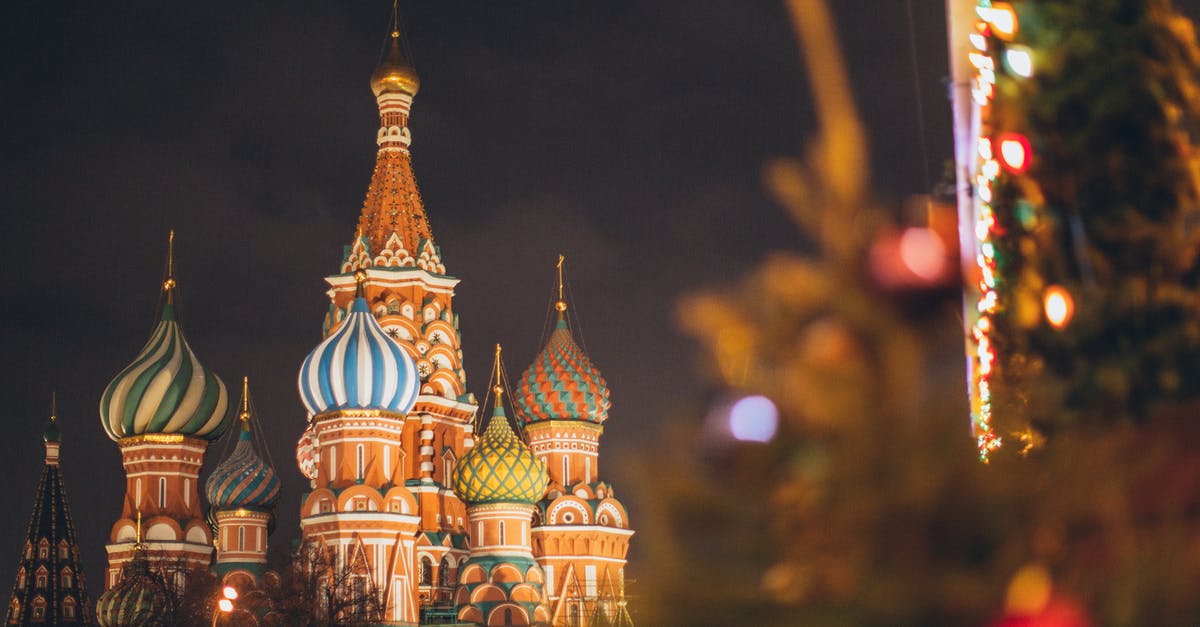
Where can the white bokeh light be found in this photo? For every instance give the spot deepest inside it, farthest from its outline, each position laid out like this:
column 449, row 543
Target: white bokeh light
column 753, row 419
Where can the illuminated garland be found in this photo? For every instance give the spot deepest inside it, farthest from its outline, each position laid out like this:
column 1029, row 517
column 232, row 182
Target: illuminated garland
column 1012, row 152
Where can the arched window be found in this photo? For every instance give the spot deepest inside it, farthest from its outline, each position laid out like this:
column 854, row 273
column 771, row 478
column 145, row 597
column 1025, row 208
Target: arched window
column 65, row 577
column 425, row 574
column 63, row 549
column 21, row 577
column 40, row 576
column 43, row 549
column 508, row 616
column 14, row 612
column 444, row 573
column 68, row 608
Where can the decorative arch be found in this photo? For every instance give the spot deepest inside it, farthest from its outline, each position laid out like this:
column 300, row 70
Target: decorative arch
column 473, row 573
column 401, row 496
column 611, row 513
column 508, row 614
column 161, row 528
column 348, row 500
column 569, row 510
column 507, row 573
column 488, row 593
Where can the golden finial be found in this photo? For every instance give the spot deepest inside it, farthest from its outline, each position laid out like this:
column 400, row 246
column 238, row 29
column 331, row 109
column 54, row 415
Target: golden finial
column 169, row 283
column 360, row 276
column 245, row 415
column 560, row 304
column 53, row 405
column 498, row 389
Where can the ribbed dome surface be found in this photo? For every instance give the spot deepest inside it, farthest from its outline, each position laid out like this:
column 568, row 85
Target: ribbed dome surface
column 243, row 479
column 140, row 598
column 358, row 367
column 165, row 390
column 500, row 468
column 562, row 384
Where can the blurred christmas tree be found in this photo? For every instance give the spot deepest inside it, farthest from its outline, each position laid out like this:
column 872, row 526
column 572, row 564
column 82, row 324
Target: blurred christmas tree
column 868, row 506
column 1105, row 217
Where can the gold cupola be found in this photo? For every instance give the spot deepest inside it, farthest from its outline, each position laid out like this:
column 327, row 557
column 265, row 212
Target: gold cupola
column 395, row 72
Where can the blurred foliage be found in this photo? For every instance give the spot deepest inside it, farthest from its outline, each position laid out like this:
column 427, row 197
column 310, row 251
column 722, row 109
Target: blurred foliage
column 1109, row 210
column 869, row 506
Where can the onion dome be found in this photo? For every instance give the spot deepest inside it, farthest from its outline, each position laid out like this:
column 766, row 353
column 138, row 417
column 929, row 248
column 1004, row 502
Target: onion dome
column 243, row 479
column 308, row 452
column 500, row 468
column 359, row 367
column 395, row 73
column 562, row 383
column 140, row 598
column 166, row 389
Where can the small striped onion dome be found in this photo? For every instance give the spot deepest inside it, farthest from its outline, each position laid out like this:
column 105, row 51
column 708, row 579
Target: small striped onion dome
column 500, row 468
column 243, row 479
column 359, row 367
column 308, row 452
column 562, row 384
column 140, row 598
column 165, row 390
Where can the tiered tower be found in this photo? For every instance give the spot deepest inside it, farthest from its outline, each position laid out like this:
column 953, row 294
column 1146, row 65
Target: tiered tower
column 500, row 479
column 581, row 531
column 242, row 491
column 162, row 410
column 50, row 586
column 380, row 469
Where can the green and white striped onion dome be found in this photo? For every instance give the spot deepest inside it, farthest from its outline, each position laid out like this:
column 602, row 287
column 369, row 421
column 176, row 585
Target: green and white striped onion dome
column 165, row 390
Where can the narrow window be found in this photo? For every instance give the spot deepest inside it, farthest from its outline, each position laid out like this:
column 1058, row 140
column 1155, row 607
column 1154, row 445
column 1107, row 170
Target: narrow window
column 187, row 492
column 241, row 538
column 566, row 477
column 502, row 538
column 587, row 470
column 162, row 492
column 358, row 465
column 387, row 462
column 137, row 495
column 332, row 463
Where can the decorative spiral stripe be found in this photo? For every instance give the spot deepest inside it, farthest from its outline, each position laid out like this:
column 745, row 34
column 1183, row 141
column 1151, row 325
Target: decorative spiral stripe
column 562, row 384
column 165, row 390
column 243, row 479
column 358, row 367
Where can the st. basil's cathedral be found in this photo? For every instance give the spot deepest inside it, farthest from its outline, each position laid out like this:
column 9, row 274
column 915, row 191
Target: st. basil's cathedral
column 435, row 511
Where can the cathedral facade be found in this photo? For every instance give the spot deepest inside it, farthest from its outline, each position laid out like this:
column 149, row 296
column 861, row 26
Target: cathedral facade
column 420, row 505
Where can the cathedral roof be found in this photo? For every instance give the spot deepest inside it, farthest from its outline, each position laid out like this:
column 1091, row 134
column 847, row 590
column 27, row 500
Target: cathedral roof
column 244, row 479
column 393, row 222
column 50, row 550
column 139, row 598
column 500, row 468
column 358, row 367
column 562, row 383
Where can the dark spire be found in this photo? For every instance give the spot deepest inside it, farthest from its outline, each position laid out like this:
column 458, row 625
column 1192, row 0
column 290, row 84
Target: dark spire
column 49, row 586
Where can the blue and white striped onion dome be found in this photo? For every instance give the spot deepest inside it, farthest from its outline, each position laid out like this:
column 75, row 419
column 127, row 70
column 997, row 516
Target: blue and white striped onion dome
column 243, row 479
column 165, row 390
column 359, row 367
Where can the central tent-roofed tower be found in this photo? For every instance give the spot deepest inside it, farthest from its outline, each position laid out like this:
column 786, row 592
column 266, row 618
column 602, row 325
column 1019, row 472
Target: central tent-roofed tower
column 389, row 414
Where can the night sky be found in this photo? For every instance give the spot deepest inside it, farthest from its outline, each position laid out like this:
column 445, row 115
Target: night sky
column 628, row 135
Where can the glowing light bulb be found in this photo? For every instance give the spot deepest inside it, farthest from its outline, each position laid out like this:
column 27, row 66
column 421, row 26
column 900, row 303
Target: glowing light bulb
column 1014, row 152
column 230, row 592
column 1001, row 17
column 1019, row 61
column 226, row 605
column 1059, row 306
column 753, row 419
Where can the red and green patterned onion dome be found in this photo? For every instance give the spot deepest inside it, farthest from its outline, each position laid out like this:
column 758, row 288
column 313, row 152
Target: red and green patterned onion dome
column 359, row 367
column 562, row 384
column 500, row 468
column 243, row 479
column 140, row 598
column 165, row 390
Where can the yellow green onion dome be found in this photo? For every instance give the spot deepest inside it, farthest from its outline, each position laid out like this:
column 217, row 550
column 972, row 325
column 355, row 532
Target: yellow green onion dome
column 140, row 598
column 243, row 480
column 500, row 468
column 562, row 383
column 359, row 367
column 165, row 390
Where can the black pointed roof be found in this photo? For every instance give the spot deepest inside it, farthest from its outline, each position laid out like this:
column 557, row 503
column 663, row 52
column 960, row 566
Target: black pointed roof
column 49, row 587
